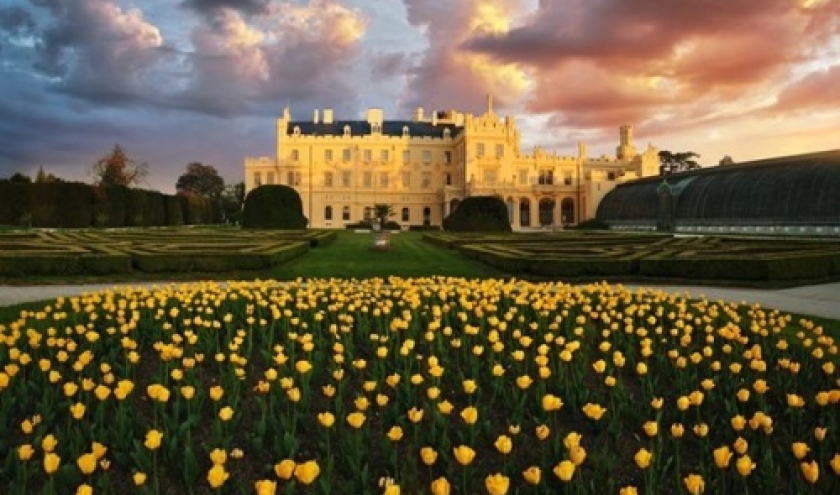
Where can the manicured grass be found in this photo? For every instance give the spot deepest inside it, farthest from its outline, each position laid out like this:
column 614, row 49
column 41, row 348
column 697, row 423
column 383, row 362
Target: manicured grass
column 352, row 255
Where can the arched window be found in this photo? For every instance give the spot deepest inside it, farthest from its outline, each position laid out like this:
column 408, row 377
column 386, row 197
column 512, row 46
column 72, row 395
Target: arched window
column 525, row 212
column 346, row 130
column 405, row 131
column 567, row 211
column 328, row 212
column 546, row 211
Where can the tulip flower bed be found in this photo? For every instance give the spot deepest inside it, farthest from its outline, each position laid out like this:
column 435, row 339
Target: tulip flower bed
column 425, row 385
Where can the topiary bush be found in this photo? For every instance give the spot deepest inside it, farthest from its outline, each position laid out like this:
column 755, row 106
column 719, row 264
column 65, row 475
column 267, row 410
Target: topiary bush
column 479, row 214
column 273, row 207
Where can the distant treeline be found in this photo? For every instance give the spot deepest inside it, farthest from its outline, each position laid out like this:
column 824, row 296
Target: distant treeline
column 78, row 205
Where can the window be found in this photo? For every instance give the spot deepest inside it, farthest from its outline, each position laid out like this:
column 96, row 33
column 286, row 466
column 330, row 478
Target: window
column 346, row 179
column 406, row 156
column 346, row 154
column 269, row 177
column 500, row 150
column 295, row 155
column 345, row 213
column 611, row 176
column 427, row 180
column 546, row 177
column 406, row 179
column 447, row 157
column 427, row 157
column 406, row 215
column 257, row 179
column 346, row 131
column 328, row 213
column 328, row 155
column 383, row 156
column 293, row 178
column 367, row 179
column 368, row 155
column 447, row 178
column 383, row 180
column 567, row 178
column 523, row 177
column 489, row 176
column 405, row 131
column 328, row 179
column 427, row 216
column 479, row 150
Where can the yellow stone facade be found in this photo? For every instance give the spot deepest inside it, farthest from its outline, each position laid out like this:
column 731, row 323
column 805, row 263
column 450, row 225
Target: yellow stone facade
column 424, row 166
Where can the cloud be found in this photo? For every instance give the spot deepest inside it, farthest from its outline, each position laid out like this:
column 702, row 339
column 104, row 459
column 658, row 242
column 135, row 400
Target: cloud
column 448, row 76
column 598, row 61
column 817, row 90
column 16, row 22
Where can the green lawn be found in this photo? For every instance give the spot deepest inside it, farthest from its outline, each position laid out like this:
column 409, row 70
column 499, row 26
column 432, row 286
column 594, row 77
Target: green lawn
column 352, row 255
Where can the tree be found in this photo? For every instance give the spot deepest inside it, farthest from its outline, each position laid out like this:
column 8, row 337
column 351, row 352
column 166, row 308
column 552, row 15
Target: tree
column 117, row 169
column 726, row 160
column 19, row 178
column 382, row 212
column 202, row 180
column 42, row 177
column 672, row 163
column 273, row 206
column 232, row 198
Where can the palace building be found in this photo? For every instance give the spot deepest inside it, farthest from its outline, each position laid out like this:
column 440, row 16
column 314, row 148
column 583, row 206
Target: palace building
column 425, row 166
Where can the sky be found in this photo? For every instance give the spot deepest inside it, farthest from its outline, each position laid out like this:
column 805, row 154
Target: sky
column 181, row 81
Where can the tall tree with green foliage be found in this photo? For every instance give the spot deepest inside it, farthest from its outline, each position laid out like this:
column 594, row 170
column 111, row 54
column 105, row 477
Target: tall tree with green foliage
column 672, row 163
column 233, row 198
column 382, row 212
column 117, row 169
column 202, row 180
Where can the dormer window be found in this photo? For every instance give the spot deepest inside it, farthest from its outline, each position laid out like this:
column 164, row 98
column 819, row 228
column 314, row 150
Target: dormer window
column 296, row 130
column 376, row 128
column 446, row 133
column 405, row 131
column 346, row 131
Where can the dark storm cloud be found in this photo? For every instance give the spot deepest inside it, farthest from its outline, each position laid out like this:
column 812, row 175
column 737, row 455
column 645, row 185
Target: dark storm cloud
column 15, row 21
column 245, row 6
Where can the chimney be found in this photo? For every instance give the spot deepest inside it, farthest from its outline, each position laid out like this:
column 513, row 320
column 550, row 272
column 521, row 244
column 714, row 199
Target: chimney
column 434, row 118
column 315, row 116
column 328, row 116
column 418, row 114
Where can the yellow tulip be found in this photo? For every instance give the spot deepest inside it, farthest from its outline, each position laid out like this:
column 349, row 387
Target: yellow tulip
column 800, row 450
column 441, row 486
column 77, row 410
column 361, row 403
column 577, row 455
column 835, row 464
column 628, row 490
column 532, row 475
column 285, row 469
column 49, row 443
column 464, row 454
column 657, row 403
column 722, row 456
column 564, row 470
column 677, row 430
column 218, row 456
column 819, row 433
column 51, row 462
column 572, row 440
column 741, row 445
column 226, row 413
column 543, row 431
column 503, row 444
column 811, row 471
column 795, row 401
column 701, row 429
column 25, row 452
column 139, row 478
column 551, row 403
column 651, row 428
column 445, row 407
column 153, row 438
column 303, row 367
column 265, row 487
column 594, row 411
column 694, row 483
column 415, row 415
column 738, row 422
column 469, row 386
column 356, row 419
column 428, row 455
column 497, row 484
column 217, row 476
column 86, row 463
column 524, row 381
column 216, row 393
column 307, row 472
column 599, row 366
column 469, row 415
column 102, row 392
column 683, row 403
column 643, row 458
column 327, row 419
column 744, row 465
column 395, row 434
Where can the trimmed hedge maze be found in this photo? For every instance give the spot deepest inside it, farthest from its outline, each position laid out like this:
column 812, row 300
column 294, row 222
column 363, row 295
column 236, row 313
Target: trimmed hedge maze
column 151, row 251
column 658, row 256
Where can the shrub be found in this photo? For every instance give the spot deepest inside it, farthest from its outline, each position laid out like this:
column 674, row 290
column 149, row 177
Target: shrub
column 273, row 207
column 479, row 214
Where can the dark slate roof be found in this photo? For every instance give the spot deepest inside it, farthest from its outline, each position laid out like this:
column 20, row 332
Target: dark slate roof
column 801, row 189
column 362, row 127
